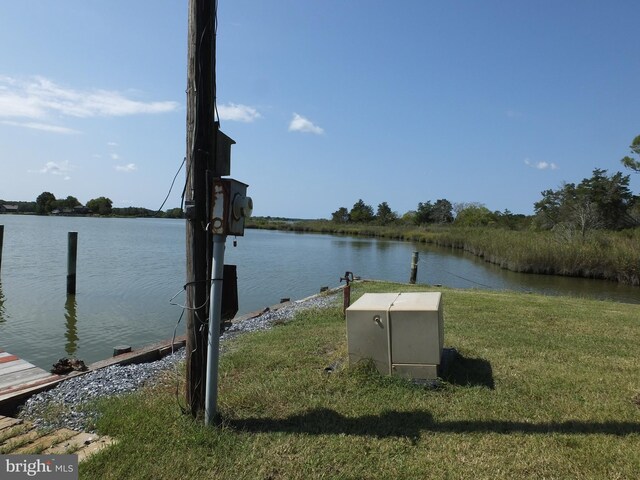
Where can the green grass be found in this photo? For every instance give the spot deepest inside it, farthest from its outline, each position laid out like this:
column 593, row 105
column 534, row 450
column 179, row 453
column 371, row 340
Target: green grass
column 544, row 387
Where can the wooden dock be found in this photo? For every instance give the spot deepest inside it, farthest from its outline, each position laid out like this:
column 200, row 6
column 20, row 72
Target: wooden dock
column 20, row 379
column 17, row 375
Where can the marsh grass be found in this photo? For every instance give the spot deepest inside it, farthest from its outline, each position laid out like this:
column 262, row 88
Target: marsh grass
column 601, row 254
column 542, row 387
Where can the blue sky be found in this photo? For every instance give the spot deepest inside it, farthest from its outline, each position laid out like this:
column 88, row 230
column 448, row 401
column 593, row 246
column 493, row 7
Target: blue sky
column 329, row 101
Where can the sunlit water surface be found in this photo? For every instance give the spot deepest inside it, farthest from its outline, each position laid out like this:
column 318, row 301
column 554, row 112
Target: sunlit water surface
column 129, row 269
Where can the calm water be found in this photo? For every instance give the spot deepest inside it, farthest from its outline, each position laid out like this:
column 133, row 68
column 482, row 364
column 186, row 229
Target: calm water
column 129, row 269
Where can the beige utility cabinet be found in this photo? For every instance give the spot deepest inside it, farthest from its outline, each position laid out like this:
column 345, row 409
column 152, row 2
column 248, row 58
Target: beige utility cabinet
column 403, row 333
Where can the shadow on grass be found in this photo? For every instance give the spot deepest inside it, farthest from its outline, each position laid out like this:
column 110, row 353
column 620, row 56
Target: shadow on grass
column 468, row 372
column 324, row 421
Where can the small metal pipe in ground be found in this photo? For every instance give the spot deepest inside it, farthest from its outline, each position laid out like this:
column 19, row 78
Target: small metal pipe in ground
column 213, row 344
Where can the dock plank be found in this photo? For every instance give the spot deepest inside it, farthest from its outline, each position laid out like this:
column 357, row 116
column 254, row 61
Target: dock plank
column 7, row 357
column 18, row 381
column 15, row 366
column 22, row 377
column 17, row 374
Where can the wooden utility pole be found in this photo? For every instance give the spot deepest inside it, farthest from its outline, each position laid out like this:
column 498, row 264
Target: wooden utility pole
column 200, row 161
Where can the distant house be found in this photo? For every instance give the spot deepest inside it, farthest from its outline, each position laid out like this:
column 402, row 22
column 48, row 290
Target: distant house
column 6, row 208
column 79, row 210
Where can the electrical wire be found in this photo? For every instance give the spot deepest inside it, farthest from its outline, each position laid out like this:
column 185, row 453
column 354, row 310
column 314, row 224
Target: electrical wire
column 470, row 281
column 195, row 350
column 424, row 261
column 186, row 182
column 215, row 36
column 186, row 307
column 171, row 187
column 183, row 408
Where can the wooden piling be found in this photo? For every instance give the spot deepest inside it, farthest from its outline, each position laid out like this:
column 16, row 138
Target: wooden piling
column 1, row 239
column 414, row 268
column 72, row 254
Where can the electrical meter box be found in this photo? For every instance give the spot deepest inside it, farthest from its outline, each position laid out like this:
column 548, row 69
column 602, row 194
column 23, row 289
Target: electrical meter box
column 230, row 207
column 223, row 155
column 403, row 333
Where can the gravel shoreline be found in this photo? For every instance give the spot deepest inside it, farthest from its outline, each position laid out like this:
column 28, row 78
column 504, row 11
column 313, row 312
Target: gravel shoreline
column 67, row 405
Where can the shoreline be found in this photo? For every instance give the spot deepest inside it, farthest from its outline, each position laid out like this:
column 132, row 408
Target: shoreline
column 70, row 398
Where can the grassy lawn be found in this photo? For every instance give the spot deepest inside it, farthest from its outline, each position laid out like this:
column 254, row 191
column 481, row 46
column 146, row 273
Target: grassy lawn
column 543, row 387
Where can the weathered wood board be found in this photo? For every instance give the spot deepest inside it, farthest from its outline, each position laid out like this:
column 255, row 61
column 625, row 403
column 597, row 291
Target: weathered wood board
column 17, row 436
column 17, row 374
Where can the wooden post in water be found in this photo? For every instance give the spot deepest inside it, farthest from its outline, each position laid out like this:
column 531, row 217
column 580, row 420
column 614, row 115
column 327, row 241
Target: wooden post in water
column 414, row 268
column 72, row 254
column 1, row 240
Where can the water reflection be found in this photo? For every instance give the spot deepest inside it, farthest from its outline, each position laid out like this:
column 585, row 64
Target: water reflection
column 71, row 333
column 382, row 246
column 459, row 269
column 2, row 310
column 352, row 243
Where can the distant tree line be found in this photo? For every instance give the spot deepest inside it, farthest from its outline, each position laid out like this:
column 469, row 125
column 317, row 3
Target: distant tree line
column 442, row 211
column 599, row 202
column 46, row 204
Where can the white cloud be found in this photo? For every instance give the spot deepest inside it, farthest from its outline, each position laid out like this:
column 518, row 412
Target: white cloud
column 541, row 165
column 37, row 98
column 128, row 168
column 238, row 113
column 112, row 144
column 53, row 168
column 45, row 127
column 114, row 156
column 15, row 105
column 301, row 124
